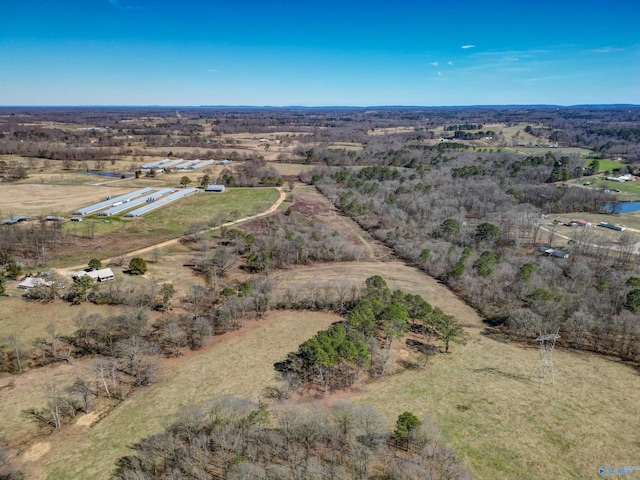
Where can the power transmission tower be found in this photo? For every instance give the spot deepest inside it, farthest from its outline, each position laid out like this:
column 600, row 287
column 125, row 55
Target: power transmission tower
column 544, row 363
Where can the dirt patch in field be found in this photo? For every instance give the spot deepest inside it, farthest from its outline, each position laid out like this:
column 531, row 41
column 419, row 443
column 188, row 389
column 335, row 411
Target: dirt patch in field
column 88, row 420
column 36, row 451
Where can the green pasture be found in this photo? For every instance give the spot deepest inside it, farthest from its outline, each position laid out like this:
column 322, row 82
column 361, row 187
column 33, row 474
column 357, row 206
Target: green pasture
column 627, row 187
column 557, row 152
column 174, row 218
column 607, row 165
column 202, row 207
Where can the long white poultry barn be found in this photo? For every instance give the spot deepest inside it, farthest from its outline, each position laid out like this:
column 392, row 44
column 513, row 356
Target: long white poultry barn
column 111, row 202
column 162, row 202
column 134, row 203
column 155, row 164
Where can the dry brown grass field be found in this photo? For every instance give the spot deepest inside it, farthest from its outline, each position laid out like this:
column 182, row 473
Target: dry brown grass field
column 290, row 169
column 239, row 363
column 49, row 199
column 388, row 130
column 28, row 320
column 26, row 390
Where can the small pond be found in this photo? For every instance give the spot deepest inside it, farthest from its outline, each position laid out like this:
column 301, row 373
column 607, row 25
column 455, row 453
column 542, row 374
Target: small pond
column 108, row 174
column 623, row 207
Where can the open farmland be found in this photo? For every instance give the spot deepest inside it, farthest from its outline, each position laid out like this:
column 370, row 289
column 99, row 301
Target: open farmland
column 114, row 236
column 50, row 199
column 501, row 424
column 238, row 363
column 203, row 207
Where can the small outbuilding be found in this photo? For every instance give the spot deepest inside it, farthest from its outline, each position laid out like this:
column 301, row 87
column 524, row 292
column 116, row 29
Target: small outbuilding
column 32, row 282
column 13, row 219
column 214, row 188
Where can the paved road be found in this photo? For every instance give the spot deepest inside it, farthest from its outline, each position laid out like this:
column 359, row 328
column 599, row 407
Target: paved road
column 140, row 251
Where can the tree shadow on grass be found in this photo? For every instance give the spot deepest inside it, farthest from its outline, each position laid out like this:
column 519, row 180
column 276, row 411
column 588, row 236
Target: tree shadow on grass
column 496, row 335
column 494, row 371
column 426, row 350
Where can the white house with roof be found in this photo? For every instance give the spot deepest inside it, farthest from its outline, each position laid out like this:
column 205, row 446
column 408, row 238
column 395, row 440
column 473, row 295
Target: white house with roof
column 102, row 275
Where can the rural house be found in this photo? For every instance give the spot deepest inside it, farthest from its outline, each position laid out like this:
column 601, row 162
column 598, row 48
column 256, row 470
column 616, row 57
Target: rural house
column 102, row 275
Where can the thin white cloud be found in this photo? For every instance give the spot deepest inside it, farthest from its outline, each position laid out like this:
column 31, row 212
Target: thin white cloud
column 435, row 64
column 467, row 46
column 607, row 50
column 449, row 63
column 212, row 70
column 439, row 74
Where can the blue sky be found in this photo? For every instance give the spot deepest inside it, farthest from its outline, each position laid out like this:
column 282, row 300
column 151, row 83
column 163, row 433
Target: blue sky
column 358, row 53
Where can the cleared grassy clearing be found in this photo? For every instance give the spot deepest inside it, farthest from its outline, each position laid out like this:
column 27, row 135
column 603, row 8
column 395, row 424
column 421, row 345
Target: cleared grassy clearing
column 606, row 165
column 505, row 427
column 355, row 146
column 240, row 363
column 290, row 168
column 28, row 320
column 631, row 220
column 498, row 420
column 19, row 392
column 557, row 152
column 627, row 187
column 125, row 235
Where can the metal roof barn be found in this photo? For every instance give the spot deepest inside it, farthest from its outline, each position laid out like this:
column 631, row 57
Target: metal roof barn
column 202, row 164
column 112, row 202
column 172, row 164
column 13, row 219
column 155, row 164
column 134, row 203
column 187, row 165
column 162, row 202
